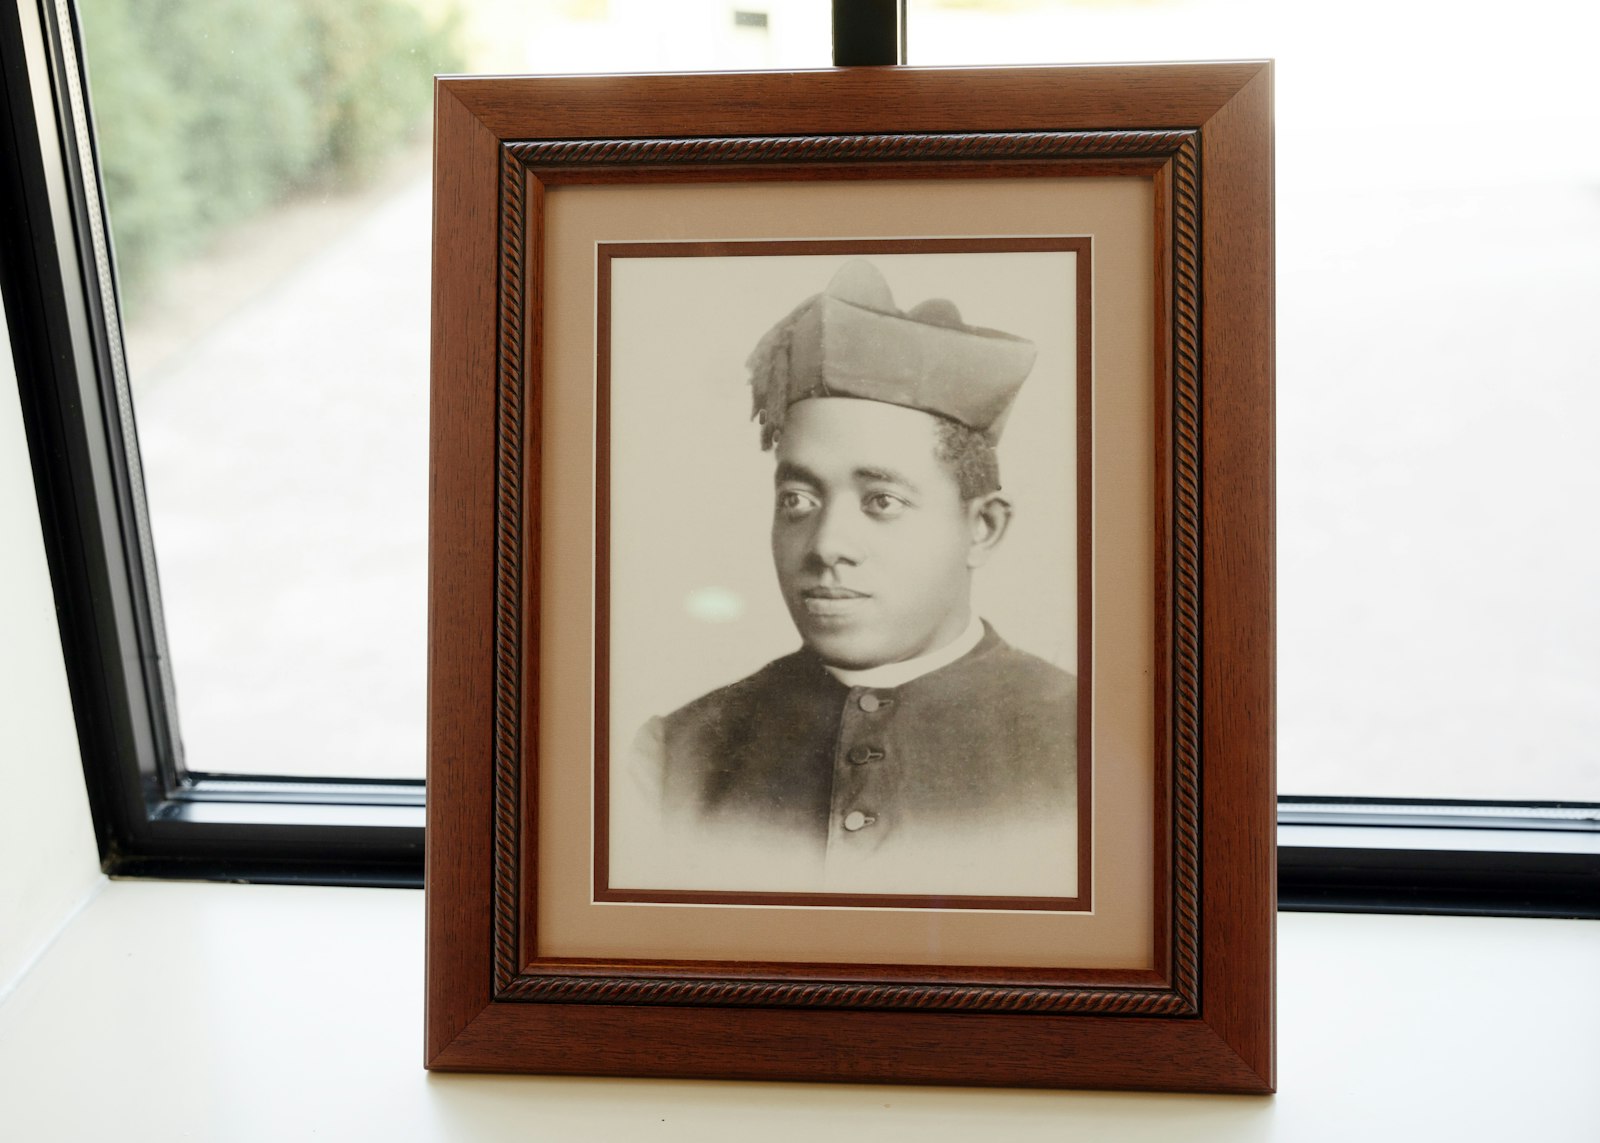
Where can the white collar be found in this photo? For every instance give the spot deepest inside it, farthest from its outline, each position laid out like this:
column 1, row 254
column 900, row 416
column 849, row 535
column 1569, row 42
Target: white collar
column 891, row 675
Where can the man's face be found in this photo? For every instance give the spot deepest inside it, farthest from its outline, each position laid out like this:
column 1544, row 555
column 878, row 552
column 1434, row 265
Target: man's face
column 869, row 533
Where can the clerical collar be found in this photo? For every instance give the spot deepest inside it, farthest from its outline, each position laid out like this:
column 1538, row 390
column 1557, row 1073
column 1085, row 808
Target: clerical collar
column 898, row 674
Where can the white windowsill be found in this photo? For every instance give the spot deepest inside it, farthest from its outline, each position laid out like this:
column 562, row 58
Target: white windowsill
column 222, row 1012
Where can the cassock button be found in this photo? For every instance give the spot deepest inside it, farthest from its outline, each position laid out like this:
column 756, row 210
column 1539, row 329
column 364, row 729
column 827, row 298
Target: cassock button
column 864, row 753
column 870, row 703
column 855, row 820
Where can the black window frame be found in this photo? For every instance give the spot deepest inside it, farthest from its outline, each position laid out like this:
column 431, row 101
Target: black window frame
column 154, row 818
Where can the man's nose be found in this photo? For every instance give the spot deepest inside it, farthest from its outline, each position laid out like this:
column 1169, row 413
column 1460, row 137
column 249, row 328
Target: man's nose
column 836, row 537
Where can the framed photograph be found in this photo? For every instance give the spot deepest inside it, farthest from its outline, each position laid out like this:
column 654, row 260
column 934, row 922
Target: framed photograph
column 851, row 611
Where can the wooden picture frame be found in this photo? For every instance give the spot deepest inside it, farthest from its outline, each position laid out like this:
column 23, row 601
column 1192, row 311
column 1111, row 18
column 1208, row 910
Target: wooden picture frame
column 1165, row 980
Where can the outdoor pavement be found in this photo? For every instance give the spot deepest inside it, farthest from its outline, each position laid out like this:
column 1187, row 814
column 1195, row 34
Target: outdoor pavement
column 286, row 461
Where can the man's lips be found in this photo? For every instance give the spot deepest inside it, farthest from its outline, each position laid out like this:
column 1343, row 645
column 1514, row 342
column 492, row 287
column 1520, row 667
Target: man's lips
column 831, row 602
column 832, row 593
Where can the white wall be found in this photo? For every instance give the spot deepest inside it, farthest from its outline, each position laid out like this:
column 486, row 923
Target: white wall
column 48, row 863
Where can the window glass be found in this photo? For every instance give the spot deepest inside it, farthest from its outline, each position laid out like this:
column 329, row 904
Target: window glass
column 266, row 165
column 1438, row 211
column 1438, row 265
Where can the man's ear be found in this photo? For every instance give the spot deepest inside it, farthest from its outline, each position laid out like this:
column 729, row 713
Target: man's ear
column 987, row 517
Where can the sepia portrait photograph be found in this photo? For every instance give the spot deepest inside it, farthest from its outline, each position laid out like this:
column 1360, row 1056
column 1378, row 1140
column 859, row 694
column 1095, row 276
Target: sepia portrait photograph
column 842, row 646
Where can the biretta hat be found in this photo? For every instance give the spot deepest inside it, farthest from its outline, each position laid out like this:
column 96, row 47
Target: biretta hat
column 851, row 341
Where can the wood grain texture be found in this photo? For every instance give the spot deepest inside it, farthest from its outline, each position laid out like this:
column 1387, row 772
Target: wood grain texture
column 1214, row 202
column 1238, row 680
column 843, row 101
column 460, row 569
column 853, row 1047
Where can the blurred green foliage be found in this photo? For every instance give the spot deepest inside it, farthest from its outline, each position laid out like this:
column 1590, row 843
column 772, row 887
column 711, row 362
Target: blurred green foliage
column 208, row 111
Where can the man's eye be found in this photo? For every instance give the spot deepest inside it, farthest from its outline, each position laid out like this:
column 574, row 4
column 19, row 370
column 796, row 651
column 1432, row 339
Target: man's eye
column 882, row 506
column 794, row 504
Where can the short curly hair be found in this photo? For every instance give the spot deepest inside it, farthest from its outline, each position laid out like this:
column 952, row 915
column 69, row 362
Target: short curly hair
column 969, row 455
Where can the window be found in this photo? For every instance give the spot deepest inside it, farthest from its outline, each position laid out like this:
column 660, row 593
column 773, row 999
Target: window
column 1437, row 251
column 241, row 250
column 152, row 813
column 1437, row 623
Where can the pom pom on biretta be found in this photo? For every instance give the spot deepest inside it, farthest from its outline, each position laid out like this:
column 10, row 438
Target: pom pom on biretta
column 851, row 341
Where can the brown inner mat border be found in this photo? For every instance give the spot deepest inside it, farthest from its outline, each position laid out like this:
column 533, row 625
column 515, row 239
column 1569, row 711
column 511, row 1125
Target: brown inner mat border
column 1083, row 343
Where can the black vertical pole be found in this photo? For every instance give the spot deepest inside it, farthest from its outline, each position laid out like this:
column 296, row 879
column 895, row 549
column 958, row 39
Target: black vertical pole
column 869, row 32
